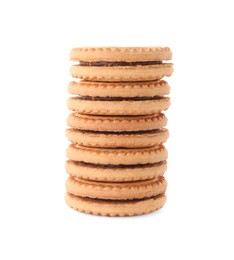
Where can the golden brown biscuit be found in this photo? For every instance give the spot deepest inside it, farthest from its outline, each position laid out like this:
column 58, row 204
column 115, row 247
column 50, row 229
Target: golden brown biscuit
column 116, row 156
column 124, row 139
column 115, row 208
column 122, row 73
column 94, row 54
column 117, row 89
column 115, row 173
column 116, row 191
column 118, row 106
column 116, row 123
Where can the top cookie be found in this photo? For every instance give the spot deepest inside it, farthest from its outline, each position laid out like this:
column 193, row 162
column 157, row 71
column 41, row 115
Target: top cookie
column 120, row 54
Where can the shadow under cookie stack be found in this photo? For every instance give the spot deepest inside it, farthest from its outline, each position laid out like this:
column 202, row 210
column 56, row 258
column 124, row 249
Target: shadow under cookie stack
column 116, row 159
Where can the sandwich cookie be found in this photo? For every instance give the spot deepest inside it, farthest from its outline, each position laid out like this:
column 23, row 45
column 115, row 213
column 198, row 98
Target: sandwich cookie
column 115, row 173
column 116, row 156
column 116, row 123
column 119, row 98
column 118, row 105
column 116, row 191
column 123, row 139
column 115, row 208
column 121, row 64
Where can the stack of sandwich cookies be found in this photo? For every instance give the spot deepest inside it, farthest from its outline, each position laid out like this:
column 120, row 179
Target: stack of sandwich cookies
column 116, row 158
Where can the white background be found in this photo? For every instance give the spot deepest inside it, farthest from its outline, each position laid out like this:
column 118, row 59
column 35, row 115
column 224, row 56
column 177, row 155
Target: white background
column 36, row 38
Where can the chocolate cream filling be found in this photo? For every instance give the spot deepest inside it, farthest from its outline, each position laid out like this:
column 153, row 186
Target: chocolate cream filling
column 119, row 63
column 122, row 166
column 153, row 131
column 118, row 98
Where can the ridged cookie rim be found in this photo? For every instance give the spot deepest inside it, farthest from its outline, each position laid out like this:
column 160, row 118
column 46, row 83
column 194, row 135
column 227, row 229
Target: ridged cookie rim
column 113, row 89
column 126, row 107
column 136, row 185
column 117, row 140
column 115, row 208
column 113, row 123
column 109, row 151
column 125, row 156
column 97, row 173
column 90, row 54
column 122, row 73
column 116, row 190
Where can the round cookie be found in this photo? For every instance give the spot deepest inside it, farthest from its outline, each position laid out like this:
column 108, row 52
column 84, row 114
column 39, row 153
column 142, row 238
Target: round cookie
column 130, row 54
column 121, row 64
column 126, row 139
column 115, row 208
column 117, row 89
column 116, row 191
column 111, row 173
column 116, row 156
column 118, row 106
column 122, row 73
column 115, row 123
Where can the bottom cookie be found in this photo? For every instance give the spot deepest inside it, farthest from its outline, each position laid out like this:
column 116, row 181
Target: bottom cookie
column 115, row 208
